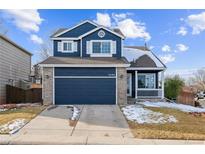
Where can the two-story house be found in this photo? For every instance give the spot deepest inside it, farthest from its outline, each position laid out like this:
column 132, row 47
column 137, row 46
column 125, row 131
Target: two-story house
column 90, row 65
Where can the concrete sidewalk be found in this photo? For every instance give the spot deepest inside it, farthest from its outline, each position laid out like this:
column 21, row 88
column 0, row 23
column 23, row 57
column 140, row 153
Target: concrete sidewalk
column 82, row 140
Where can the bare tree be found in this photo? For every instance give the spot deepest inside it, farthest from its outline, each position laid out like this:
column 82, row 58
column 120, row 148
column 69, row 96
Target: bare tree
column 199, row 79
column 45, row 51
column 46, row 48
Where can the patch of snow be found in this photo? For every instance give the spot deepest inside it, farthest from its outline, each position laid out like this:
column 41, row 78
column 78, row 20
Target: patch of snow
column 76, row 113
column 133, row 54
column 2, row 110
column 141, row 115
column 13, row 126
column 181, row 107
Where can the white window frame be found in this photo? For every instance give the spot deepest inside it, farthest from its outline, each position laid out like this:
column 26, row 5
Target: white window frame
column 72, row 46
column 101, row 54
column 145, row 81
column 129, row 75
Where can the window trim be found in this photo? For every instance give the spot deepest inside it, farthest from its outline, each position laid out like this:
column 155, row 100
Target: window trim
column 145, row 81
column 101, row 54
column 67, row 51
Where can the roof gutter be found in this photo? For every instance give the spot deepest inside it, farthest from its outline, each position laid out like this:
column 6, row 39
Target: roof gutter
column 146, row 68
column 84, row 65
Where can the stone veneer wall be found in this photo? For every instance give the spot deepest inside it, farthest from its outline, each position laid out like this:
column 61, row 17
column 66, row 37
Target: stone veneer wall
column 122, row 86
column 47, row 85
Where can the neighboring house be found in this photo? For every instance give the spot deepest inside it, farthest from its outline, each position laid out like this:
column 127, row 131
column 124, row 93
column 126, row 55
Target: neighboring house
column 90, row 66
column 15, row 65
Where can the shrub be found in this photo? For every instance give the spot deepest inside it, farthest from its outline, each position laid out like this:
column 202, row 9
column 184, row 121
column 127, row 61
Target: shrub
column 173, row 86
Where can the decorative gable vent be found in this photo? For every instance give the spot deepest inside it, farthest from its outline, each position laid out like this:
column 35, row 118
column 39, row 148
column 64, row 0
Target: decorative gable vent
column 101, row 34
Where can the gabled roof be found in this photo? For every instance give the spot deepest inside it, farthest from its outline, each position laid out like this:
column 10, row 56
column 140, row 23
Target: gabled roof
column 144, row 48
column 143, row 61
column 69, row 29
column 102, row 27
column 61, row 31
column 117, row 30
column 142, row 58
column 16, row 45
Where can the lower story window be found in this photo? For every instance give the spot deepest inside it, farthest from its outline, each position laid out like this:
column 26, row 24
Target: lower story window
column 146, row 81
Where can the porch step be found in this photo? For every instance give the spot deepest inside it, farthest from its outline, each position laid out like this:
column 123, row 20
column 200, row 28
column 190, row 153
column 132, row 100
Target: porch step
column 133, row 100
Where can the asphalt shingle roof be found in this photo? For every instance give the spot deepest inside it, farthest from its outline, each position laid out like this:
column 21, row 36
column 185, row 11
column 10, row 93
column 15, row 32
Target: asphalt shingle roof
column 87, row 60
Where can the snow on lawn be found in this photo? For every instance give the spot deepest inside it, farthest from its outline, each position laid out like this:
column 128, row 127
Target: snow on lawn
column 12, row 126
column 2, row 110
column 141, row 115
column 76, row 113
column 181, row 107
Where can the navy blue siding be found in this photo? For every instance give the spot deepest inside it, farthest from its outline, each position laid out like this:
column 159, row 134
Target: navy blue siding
column 108, row 36
column 78, row 31
column 147, row 93
column 61, row 54
column 133, row 82
column 85, row 91
column 62, row 71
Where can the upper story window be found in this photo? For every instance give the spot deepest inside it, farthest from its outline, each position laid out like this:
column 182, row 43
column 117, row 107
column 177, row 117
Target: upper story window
column 67, row 46
column 103, row 47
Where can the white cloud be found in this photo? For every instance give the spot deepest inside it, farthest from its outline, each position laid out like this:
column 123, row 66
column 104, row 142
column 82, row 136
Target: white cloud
column 129, row 27
column 166, row 48
column 120, row 16
column 182, row 31
column 181, row 48
column 151, row 47
column 26, row 20
column 36, row 39
column 167, row 58
column 181, row 19
column 103, row 19
column 133, row 29
column 197, row 22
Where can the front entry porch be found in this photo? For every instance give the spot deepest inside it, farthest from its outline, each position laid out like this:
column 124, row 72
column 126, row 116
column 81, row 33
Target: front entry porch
column 145, row 83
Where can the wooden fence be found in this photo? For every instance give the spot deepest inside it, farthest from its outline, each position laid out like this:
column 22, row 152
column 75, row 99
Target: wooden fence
column 18, row 95
column 186, row 97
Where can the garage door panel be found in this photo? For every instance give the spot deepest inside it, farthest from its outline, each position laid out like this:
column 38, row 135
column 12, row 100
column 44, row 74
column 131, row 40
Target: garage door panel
column 92, row 71
column 85, row 90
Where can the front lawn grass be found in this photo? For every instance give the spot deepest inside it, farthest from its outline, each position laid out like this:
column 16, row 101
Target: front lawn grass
column 27, row 113
column 187, row 127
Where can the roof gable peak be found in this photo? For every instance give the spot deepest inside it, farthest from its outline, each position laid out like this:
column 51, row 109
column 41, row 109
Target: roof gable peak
column 69, row 29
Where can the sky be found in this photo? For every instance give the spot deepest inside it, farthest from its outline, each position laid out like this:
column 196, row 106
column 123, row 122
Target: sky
column 177, row 37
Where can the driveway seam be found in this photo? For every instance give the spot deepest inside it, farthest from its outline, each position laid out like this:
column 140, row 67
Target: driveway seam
column 76, row 122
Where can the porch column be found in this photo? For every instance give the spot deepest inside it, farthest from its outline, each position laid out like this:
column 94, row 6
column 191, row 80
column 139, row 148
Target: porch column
column 136, row 84
column 162, row 80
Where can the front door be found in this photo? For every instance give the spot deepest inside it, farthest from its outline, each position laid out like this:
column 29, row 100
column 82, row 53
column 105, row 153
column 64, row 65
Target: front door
column 129, row 84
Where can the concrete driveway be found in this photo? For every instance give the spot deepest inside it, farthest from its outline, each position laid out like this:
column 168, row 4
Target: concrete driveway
column 97, row 124
column 102, row 121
